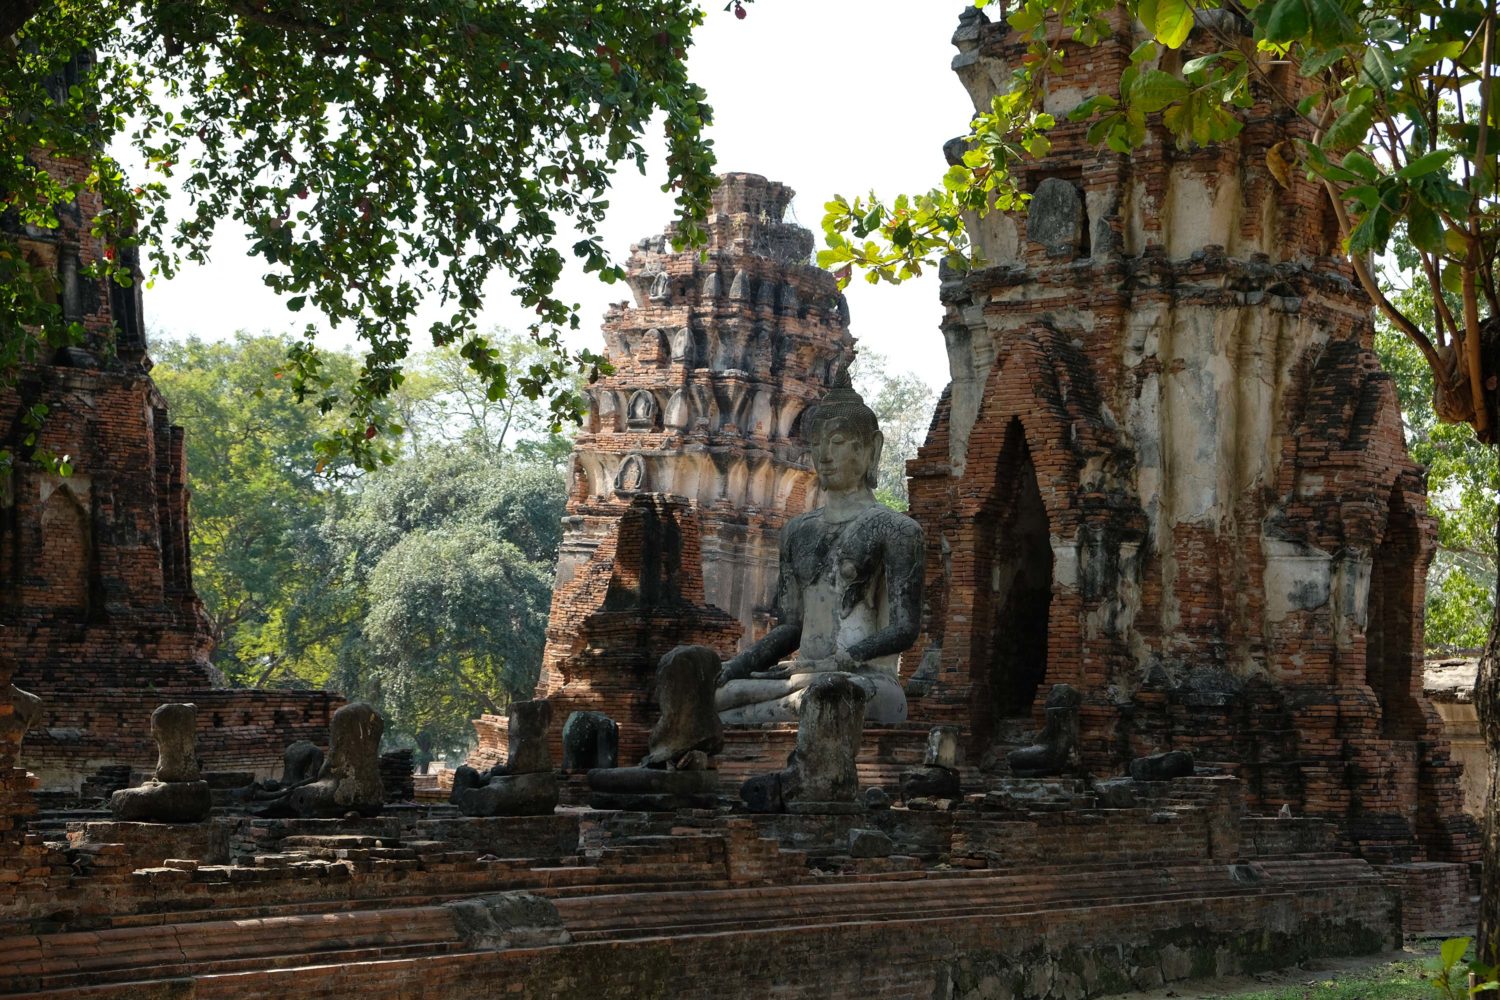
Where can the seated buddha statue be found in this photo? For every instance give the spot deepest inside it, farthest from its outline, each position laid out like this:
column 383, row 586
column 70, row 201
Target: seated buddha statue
column 849, row 584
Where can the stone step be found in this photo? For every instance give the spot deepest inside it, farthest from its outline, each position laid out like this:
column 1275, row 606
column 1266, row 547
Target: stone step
column 826, row 901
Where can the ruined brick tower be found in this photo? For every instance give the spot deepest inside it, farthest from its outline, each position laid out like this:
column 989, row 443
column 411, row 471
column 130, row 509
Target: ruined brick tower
column 96, row 596
column 715, row 362
column 1169, row 471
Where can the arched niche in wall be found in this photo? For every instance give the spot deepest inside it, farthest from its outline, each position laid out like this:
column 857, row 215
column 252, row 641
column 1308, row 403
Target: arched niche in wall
column 711, row 482
column 632, row 476
column 643, row 414
column 1014, row 589
column 754, row 344
column 682, row 347
column 762, row 488
column 737, row 484
column 1393, row 640
column 64, row 573
column 760, row 422
column 653, row 346
column 679, row 413
column 591, row 470
column 726, row 349
column 705, row 408
column 609, row 410
column 788, row 419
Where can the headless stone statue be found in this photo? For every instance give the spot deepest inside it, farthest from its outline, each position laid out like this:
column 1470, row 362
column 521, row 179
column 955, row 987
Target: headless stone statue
column 1056, row 749
column 525, row 785
column 677, row 771
column 349, row 780
column 820, row 776
column 849, row 588
column 590, row 740
column 178, row 793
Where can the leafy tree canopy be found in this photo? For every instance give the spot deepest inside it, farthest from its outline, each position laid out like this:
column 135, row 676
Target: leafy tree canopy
column 422, row 586
column 376, row 154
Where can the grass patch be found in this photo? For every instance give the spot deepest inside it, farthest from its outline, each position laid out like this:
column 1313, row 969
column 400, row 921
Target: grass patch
column 1407, row 979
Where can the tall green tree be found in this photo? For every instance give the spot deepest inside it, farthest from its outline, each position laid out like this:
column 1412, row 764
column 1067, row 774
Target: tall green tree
column 445, row 403
column 258, row 494
column 442, row 566
column 374, row 153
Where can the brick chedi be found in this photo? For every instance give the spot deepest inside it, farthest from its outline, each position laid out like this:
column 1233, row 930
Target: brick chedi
column 715, row 362
column 96, row 595
column 1169, row 472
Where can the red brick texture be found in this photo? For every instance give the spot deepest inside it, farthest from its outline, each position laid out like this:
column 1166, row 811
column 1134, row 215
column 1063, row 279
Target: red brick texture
column 1170, row 472
column 96, row 593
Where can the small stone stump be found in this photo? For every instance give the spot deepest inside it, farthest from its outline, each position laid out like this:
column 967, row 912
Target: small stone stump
column 678, row 769
column 937, row 778
column 820, row 776
column 177, row 793
column 525, row 785
column 590, row 740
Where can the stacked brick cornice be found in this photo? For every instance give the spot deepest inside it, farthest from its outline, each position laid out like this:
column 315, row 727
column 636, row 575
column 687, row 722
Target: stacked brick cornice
column 1170, row 472
column 96, row 595
column 716, row 359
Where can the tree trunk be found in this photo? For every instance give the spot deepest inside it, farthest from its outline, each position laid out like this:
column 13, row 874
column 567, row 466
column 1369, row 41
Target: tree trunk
column 1487, row 704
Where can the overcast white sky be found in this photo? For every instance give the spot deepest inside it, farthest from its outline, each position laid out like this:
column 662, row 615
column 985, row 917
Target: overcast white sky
column 825, row 95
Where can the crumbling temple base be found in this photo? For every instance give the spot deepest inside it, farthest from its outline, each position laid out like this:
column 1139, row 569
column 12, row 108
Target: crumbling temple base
column 1170, row 473
column 96, row 597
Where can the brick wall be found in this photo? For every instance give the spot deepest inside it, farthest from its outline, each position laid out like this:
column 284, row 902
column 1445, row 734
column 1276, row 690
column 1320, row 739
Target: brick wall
column 96, row 594
column 1176, row 423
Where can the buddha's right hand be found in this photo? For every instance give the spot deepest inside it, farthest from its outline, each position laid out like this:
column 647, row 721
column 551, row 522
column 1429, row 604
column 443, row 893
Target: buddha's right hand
column 733, row 670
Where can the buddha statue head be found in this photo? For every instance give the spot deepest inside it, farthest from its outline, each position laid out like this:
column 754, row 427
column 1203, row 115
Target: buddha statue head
column 844, row 437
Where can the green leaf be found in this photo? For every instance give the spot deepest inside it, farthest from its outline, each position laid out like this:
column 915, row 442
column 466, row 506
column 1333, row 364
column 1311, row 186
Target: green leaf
column 1424, row 165
column 1452, row 951
column 1379, row 68
column 1319, row 60
column 1201, row 63
column 1357, row 162
column 1154, row 90
column 1024, row 19
column 1288, row 21
column 1145, row 12
column 1173, row 23
column 1453, row 279
column 296, row 302
column 1424, row 227
column 1349, row 129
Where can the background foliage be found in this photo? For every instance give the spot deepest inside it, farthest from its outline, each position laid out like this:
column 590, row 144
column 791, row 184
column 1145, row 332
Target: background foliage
column 422, row 586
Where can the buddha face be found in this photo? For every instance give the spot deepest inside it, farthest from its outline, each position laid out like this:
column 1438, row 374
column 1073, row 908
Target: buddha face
column 842, row 457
